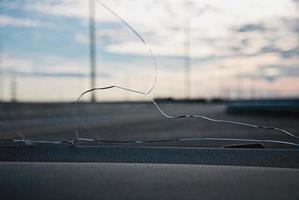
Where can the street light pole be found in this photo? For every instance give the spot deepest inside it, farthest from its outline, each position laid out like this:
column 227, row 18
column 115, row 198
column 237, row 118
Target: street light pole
column 187, row 60
column 13, row 86
column 92, row 47
column 189, row 5
column 1, row 74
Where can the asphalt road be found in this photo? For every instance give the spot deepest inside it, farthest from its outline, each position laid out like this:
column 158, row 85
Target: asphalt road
column 140, row 121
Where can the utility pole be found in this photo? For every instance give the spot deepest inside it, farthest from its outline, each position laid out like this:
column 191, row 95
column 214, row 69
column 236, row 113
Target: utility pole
column 187, row 60
column 1, row 74
column 13, row 89
column 92, row 47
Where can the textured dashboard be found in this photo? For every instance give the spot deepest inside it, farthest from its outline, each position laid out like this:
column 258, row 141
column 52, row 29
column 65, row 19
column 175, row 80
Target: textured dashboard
column 144, row 181
column 33, row 172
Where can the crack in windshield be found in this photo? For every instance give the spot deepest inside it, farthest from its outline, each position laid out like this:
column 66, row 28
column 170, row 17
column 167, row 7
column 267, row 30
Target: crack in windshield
column 169, row 116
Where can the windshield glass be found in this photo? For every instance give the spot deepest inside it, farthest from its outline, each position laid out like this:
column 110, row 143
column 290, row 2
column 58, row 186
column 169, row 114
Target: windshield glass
column 143, row 71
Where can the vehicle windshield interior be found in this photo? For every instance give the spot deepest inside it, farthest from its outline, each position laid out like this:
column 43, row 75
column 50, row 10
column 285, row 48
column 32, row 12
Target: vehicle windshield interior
column 156, row 73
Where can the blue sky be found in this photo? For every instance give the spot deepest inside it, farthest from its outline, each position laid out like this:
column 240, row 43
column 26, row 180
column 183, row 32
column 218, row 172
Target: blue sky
column 245, row 48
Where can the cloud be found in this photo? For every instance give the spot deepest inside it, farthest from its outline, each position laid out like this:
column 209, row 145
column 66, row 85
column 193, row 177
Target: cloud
column 293, row 52
column 290, row 71
column 23, row 22
column 46, row 74
column 157, row 19
column 269, row 49
column 48, row 66
column 8, row 62
column 251, row 28
column 6, row 20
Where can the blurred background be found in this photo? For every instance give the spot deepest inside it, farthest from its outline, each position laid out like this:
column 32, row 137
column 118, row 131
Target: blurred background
column 219, row 58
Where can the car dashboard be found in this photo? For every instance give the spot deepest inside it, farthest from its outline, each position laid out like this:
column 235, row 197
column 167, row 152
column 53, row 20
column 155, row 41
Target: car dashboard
column 122, row 172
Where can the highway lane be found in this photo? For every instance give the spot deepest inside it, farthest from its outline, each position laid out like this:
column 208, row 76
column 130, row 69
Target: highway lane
column 142, row 121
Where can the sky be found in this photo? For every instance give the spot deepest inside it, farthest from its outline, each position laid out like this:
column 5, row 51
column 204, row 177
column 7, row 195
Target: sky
column 238, row 49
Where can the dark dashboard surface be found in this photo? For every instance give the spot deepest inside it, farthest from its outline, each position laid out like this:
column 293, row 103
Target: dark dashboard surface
column 43, row 172
column 288, row 158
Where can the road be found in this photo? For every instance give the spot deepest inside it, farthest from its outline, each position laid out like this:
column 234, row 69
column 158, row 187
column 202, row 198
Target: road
column 140, row 121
